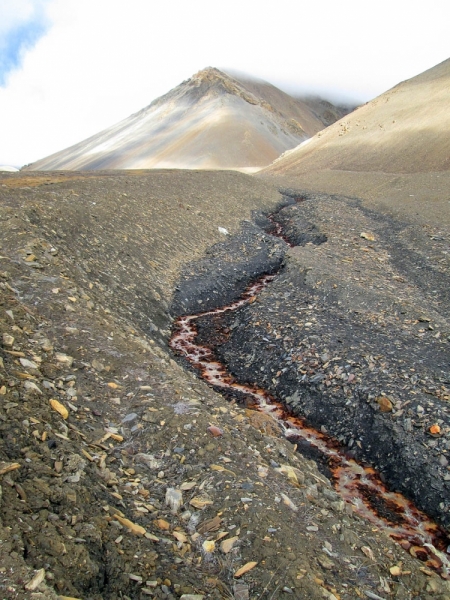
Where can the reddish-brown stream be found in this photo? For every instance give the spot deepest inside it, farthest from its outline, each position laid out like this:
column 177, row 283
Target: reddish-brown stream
column 358, row 485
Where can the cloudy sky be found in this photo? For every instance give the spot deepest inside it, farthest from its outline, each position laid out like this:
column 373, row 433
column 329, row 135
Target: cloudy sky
column 69, row 68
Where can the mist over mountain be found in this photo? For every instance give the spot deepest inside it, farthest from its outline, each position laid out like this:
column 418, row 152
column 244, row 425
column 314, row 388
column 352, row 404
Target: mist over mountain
column 211, row 121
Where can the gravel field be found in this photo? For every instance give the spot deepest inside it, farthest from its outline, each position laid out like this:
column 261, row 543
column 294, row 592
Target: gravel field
column 122, row 475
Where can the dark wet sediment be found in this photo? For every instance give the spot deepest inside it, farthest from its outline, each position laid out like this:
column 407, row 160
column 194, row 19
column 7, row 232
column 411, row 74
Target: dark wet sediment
column 260, row 347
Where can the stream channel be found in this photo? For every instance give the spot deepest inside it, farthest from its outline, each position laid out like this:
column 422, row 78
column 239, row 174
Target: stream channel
column 357, row 484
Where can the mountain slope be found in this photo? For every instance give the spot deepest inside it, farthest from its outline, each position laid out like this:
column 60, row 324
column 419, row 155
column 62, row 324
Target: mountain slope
column 394, row 151
column 404, row 130
column 211, row 121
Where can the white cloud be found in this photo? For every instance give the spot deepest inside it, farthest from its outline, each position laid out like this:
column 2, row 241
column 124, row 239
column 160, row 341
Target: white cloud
column 22, row 23
column 102, row 60
column 14, row 13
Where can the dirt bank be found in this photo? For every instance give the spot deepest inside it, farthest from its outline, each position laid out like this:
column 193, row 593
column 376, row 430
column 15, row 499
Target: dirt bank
column 353, row 335
column 89, row 504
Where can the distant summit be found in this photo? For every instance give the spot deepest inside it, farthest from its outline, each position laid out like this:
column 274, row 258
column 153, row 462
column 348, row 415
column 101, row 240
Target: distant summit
column 211, row 121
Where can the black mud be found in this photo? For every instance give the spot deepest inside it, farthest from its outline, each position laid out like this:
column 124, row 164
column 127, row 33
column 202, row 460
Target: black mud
column 352, row 334
column 224, row 273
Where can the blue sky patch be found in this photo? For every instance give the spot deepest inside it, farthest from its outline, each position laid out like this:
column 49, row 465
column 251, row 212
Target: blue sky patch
column 16, row 41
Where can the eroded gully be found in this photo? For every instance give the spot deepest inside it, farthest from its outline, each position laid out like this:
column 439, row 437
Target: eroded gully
column 358, row 485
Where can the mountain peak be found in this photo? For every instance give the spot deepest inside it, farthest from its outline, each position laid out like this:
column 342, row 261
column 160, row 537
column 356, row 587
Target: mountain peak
column 213, row 80
column 211, row 121
column 209, row 74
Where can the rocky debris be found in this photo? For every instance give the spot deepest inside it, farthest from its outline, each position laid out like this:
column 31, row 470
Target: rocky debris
column 89, row 500
column 234, row 263
column 349, row 350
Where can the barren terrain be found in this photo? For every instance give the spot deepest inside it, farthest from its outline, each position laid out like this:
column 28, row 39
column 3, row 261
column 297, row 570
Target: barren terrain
column 393, row 152
column 211, row 121
column 154, row 485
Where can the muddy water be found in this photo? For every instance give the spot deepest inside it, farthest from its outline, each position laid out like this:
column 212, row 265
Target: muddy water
column 358, row 485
